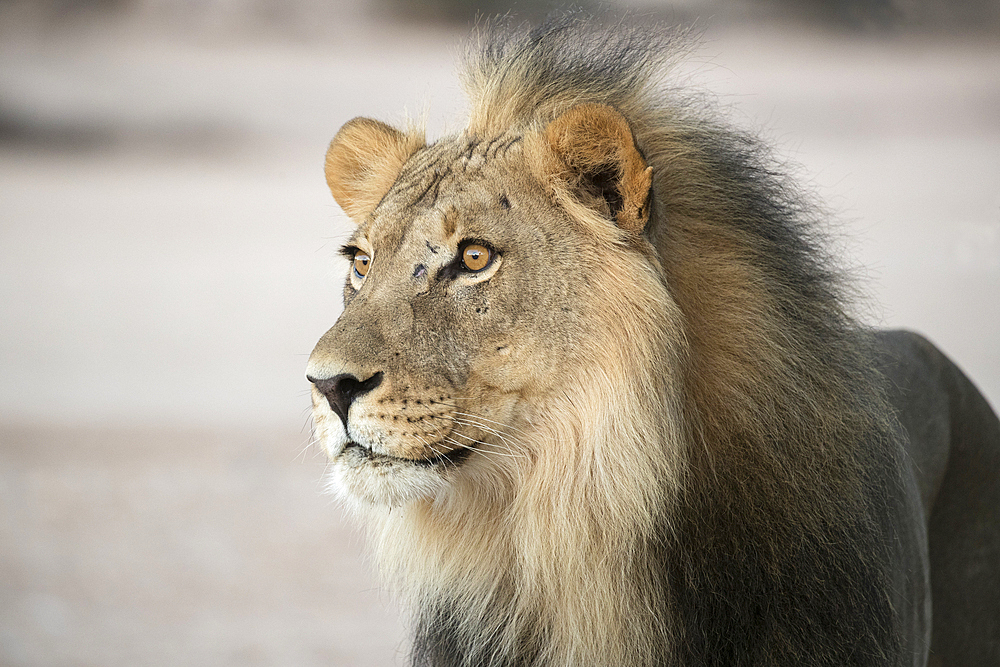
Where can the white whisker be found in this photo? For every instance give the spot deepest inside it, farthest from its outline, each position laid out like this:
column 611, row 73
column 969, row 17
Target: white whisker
column 483, row 449
column 434, row 450
column 507, row 427
column 505, row 443
column 502, row 436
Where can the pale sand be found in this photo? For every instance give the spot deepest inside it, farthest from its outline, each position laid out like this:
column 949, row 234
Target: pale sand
column 141, row 546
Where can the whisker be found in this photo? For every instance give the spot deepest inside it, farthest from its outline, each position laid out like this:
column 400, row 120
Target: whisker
column 488, row 429
column 490, row 421
column 433, row 449
column 483, row 449
column 479, row 421
column 307, row 418
column 506, row 445
column 310, row 443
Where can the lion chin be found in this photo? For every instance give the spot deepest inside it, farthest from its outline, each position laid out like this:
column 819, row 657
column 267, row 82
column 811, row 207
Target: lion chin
column 596, row 396
column 367, row 473
column 384, row 480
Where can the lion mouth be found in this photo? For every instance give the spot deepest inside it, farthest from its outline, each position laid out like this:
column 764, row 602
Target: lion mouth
column 453, row 457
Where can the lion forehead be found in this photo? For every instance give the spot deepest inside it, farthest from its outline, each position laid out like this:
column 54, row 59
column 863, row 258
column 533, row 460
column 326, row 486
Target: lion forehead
column 430, row 176
column 457, row 189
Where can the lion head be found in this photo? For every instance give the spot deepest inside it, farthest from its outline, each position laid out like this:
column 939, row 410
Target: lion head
column 485, row 292
column 587, row 342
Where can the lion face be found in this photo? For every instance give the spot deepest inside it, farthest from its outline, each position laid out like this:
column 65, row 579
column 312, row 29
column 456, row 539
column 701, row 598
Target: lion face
column 463, row 310
column 454, row 308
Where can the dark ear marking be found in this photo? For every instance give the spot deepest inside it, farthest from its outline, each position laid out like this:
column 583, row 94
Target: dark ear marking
column 603, row 183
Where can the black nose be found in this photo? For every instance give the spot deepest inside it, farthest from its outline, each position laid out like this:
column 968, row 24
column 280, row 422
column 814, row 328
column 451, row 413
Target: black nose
column 341, row 390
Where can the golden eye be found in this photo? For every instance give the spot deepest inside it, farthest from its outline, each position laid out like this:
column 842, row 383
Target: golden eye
column 476, row 257
column 361, row 262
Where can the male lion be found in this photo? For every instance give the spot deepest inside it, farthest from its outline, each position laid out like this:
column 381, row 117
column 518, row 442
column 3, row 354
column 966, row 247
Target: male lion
column 595, row 392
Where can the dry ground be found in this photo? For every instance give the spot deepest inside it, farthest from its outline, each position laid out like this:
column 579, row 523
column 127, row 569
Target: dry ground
column 167, row 259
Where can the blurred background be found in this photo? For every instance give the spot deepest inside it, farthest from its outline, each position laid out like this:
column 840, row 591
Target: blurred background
column 168, row 259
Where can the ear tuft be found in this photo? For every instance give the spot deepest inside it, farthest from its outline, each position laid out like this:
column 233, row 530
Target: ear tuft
column 363, row 162
column 601, row 163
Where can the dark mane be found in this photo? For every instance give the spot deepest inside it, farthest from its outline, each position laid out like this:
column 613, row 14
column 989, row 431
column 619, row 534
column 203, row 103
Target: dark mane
column 780, row 549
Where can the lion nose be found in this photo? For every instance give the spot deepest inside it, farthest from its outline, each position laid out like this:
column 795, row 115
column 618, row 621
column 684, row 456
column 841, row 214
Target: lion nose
column 341, row 390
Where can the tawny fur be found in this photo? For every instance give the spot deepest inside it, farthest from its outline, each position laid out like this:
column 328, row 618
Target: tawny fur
column 683, row 454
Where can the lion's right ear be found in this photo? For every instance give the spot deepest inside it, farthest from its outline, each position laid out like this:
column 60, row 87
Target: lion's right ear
column 597, row 158
column 363, row 162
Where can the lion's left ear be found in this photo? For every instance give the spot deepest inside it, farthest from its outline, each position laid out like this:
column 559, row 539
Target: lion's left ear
column 601, row 164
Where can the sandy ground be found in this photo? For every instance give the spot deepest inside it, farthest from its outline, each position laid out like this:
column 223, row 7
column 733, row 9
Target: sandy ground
column 144, row 546
column 167, row 260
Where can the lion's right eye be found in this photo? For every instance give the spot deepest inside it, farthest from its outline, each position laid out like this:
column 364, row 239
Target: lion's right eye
column 361, row 263
column 476, row 257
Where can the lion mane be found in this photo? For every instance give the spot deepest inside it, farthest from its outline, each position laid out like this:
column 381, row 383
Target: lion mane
column 701, row 467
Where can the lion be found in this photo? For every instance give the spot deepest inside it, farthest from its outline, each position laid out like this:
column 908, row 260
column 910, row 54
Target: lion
column 597, row 395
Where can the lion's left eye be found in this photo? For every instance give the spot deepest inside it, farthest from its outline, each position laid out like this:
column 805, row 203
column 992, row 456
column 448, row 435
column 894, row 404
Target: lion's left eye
column 476, row 257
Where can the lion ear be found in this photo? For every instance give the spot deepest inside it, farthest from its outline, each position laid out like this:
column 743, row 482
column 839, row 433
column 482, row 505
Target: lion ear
column 599, row 161
column 363, row 162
